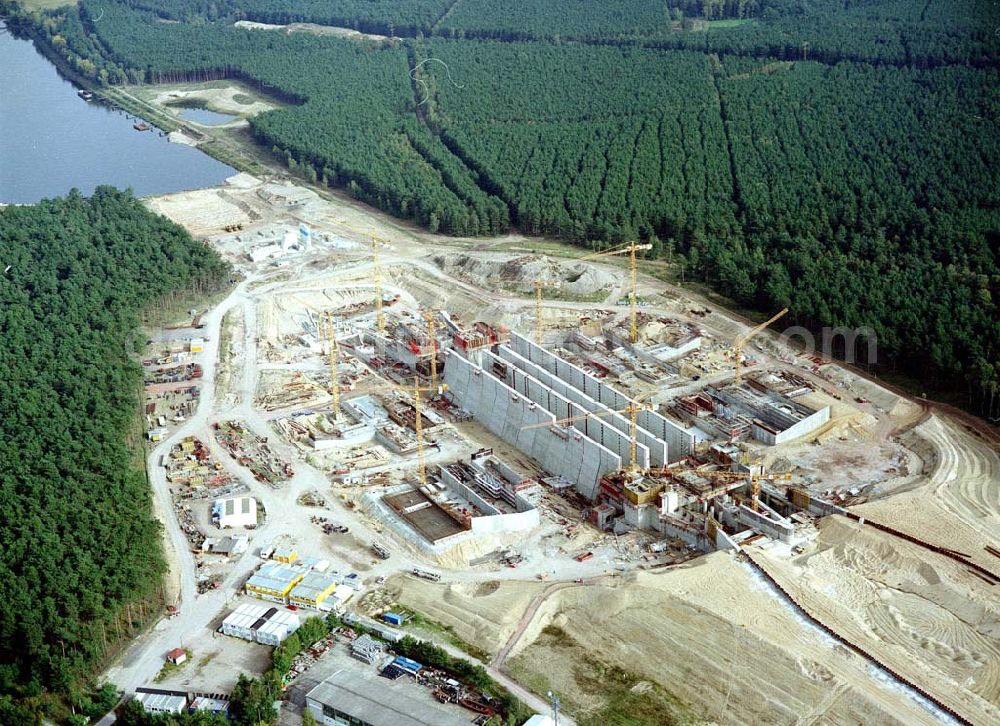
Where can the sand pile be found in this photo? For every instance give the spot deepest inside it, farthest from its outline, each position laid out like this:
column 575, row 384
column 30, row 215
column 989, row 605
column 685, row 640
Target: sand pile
column 481, row 613
column 957, row 504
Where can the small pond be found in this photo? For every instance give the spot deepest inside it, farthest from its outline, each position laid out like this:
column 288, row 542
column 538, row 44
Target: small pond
column 205, row 117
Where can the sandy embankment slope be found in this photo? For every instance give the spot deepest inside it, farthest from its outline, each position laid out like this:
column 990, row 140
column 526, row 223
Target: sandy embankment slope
column 920, row 613
column 711, row 633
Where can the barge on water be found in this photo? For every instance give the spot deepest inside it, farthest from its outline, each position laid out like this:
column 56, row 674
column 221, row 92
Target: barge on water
column 85, row 95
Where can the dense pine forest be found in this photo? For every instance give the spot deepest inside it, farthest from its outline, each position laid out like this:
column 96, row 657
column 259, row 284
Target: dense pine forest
column 841, row 158
column 838, row 157
column 80, row 559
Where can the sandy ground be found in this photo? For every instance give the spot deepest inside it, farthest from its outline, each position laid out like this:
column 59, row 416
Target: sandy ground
column 846, row 462
column 311, row 28
column 567, row 280
column 218, row 661
column 919, row 612
column 229, row 97
column 710, row 633
column 958, row 504
column 483, row 613
column 172, row 579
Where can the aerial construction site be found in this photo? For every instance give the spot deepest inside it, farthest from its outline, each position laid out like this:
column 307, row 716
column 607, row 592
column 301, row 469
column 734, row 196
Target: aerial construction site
column 575, row 472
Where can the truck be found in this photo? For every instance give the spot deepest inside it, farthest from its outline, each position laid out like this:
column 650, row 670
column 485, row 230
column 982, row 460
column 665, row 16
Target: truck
column 583, row 556
column 381, row 552
column 266, row 551
column 426, row 574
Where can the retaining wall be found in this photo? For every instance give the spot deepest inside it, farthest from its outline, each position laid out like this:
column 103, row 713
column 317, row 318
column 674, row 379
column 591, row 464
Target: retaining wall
column 599, row 429
column 856, row 648
column 680, row 442
column 506, row 413
column 592, row 427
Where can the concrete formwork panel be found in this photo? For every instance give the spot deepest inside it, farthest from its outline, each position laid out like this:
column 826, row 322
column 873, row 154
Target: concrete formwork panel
column 599, row 429
column 680, row 443
column 505, row 412
column 658, row 447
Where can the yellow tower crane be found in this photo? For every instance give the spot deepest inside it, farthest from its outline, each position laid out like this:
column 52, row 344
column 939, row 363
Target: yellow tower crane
column 430, row 315
column 325, row 330
column 630, row 249
column 538, row 312
column 418, row 424
column 743, row 339
column 633, row 410
column 633, row 415
column 333, row 354
column 379, row 316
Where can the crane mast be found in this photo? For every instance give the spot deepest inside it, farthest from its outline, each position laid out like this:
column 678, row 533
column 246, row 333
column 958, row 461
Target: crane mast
column 631, row 409
column 633, row 329
column 379, row 316
column 333, row 354
column 538, row 312
column 629, row 249
column 429, row 315
column 418, row 425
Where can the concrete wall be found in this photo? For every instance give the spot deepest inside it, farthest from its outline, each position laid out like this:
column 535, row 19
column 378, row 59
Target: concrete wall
column 688, row 534
column 819, row 507
column 516, row 522
column 388, row 516
column 679, row 441
column 805, row 426
column 642, row 516
column 592, row 427
column 496, row 522
column 467, row 492
column 781, row 529
column 600, row 429
column 508, row 472
column 723, row 541
column 505, row 412
column 665, row 353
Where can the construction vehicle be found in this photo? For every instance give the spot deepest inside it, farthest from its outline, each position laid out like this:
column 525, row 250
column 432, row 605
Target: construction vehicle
column 426, row 574
column 743, row 339
column 381, row 552
column 630, row 249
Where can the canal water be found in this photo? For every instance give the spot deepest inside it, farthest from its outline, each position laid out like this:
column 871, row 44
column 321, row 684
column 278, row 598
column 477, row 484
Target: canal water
column 51, row 140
